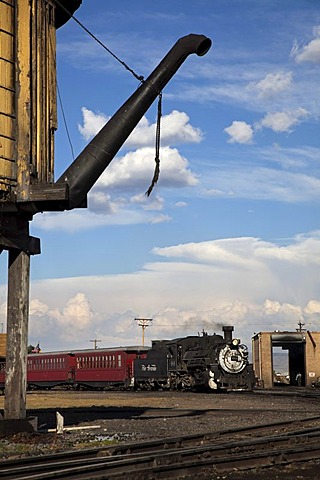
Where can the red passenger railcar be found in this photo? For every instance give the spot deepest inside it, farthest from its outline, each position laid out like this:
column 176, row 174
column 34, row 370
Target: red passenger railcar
column 98, row 368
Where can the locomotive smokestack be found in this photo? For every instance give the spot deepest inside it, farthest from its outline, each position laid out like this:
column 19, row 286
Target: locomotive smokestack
column 97, row 155
column 227, row 330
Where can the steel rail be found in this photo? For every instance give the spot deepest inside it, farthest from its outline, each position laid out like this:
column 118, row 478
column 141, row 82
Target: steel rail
column 243, row 454
column 170, row 442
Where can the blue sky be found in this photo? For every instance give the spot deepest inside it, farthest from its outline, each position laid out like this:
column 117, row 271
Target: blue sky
column 231, row 233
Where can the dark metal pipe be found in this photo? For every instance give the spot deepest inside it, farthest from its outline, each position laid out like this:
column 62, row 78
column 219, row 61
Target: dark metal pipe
column 93, row 160
column 227, row 330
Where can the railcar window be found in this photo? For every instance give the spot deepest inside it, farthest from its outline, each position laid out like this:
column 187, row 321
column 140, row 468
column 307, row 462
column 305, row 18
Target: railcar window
column 119, row 361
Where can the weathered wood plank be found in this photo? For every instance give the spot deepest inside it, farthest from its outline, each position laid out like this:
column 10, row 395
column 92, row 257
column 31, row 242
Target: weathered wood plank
column 17, row 335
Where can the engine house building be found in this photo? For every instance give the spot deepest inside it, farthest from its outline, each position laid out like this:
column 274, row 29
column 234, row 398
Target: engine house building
column 303, row 355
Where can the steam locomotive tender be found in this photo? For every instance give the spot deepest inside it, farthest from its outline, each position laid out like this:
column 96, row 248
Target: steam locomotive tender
column 206, row 362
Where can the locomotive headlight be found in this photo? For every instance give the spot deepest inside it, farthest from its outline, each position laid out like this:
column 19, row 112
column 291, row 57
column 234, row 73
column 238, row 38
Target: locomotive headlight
column 235, row 342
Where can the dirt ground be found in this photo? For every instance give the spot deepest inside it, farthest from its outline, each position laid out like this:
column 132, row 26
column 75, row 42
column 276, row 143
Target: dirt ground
column 106, row 417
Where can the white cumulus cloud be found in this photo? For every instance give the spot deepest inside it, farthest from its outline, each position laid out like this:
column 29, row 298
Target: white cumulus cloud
column 239, row 132
column 134, row 169
column 92, row 123
column 194, row 286
column 175, row 129
column 309, row 52
column 273, row 83
column 283, row 121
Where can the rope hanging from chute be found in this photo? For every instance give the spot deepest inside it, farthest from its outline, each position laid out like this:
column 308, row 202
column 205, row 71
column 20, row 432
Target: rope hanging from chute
column 157, row 155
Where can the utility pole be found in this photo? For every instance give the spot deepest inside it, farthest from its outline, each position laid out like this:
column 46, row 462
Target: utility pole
column 95, row 341
column 301, row 325
column 143, row 323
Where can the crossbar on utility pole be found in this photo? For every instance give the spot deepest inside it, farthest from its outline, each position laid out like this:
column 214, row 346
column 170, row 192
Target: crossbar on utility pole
column 95, row 341
column 143, row 323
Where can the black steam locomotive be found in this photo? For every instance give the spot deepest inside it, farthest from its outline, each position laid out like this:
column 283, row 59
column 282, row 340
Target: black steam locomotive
column 206, row 362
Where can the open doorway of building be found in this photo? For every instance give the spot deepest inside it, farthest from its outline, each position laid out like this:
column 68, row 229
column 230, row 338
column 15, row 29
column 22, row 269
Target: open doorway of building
column 288, row 362
column 297, row 364
column 280, row 362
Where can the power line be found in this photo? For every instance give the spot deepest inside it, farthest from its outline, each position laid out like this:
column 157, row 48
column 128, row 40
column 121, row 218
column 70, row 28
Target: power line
column 65, row 122
column 138, row 77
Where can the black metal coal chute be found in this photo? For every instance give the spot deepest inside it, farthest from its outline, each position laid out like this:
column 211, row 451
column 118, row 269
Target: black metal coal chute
column 97, row 155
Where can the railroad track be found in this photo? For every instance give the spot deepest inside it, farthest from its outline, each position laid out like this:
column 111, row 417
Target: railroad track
column 167, row 458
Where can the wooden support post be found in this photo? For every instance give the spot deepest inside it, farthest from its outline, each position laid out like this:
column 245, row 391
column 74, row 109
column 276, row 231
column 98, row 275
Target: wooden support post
column 17, row 334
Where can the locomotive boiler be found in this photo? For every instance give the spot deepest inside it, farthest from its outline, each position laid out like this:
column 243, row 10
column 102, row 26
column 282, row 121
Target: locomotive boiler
column 206, row 362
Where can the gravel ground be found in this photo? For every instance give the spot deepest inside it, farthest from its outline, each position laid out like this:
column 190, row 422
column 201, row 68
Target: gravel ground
column 132, row 416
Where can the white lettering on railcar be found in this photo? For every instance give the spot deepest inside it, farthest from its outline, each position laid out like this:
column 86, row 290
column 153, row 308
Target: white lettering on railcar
column 148, row 368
